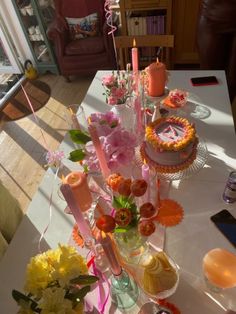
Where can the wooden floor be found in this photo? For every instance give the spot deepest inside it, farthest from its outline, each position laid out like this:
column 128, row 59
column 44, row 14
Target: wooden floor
column 22, row 147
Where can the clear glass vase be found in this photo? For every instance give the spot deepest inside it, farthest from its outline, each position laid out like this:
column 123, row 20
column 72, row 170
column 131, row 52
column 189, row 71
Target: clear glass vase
column 131, row 244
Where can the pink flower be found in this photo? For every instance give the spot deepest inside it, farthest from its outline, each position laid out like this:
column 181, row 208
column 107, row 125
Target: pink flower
column 112, row 100
column 108, row 80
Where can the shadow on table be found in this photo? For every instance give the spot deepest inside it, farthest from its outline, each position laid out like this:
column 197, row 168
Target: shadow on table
column 191, row 298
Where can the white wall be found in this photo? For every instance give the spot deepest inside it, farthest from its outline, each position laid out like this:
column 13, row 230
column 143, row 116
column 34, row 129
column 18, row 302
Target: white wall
column 14, row 27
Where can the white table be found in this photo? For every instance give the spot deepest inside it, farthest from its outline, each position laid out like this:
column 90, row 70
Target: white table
column 200, row 196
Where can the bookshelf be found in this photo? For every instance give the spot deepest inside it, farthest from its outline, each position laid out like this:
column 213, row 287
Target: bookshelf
column 149, row 22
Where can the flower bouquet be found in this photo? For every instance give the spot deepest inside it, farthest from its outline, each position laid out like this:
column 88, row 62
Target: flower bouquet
column 117, row 143
column 130, row 223
column 56, row 282
column 118, row 87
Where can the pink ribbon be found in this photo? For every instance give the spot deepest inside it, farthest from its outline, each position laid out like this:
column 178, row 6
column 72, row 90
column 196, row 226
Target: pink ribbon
column 50, row 155
column 101, row 302
column 108, row 16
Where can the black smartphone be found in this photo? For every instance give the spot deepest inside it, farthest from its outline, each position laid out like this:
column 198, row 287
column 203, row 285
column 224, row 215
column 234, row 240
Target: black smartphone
column 226, row 223
column 204, row 80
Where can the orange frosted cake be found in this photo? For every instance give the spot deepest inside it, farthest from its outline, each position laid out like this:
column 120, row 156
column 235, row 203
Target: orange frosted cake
column 170, row 144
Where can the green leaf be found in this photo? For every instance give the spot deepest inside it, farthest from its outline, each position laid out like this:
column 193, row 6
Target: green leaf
column 77, row 155
column 78, row 295
column 120, row 202
column 22, row 298
column 84, row 280
column 79, row 137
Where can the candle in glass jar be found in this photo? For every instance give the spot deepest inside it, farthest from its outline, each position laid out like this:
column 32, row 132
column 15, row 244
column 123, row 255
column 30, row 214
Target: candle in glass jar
column 219, row 266
column 80, row 189
column 105, row 240
column 156, row 78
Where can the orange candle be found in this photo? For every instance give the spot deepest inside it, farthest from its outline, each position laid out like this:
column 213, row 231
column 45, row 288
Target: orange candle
column 80, row 189
column 156, row 78
column 219, row 266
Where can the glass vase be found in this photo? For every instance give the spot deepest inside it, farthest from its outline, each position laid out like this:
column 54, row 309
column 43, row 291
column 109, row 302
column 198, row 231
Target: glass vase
column 131, row 245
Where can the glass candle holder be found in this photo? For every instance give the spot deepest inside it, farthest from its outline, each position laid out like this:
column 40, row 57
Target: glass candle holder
column 219, row 268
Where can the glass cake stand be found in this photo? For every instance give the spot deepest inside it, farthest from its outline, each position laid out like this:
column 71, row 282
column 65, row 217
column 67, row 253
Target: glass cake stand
column 197, row 165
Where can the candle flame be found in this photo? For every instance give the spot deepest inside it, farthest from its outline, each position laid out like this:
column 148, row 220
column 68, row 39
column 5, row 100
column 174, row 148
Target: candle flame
column 144, row 161
column 103, row 235
column 157, row 60
column 71, row 111
column 89, row 120
column 63, row 178
column 134, row 42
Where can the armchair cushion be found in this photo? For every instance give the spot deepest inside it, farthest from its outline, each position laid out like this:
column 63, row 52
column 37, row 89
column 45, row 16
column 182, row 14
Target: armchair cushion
column 86, row 46
column 83, row 27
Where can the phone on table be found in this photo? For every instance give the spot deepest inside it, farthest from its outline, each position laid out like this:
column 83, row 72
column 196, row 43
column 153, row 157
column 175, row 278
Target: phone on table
column 204, row 80
column 226, row 223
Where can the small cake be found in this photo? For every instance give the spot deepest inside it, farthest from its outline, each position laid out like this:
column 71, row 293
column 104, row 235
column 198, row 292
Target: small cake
column 170, row 144
column 159, row 275
column 177, row 98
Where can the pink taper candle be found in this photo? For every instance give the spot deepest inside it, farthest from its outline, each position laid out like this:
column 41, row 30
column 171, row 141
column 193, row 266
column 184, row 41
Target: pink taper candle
column 156, row 78
column 105, row 240
column 99, row 152
column 134, row 53
column 83, row 226
column 146, row 177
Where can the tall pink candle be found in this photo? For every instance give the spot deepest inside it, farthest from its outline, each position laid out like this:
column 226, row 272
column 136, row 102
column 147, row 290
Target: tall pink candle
column 134, row 54
column 106, row 243
column 156, row 78
column 79, row 186
column 99, row 152
column 76, row 211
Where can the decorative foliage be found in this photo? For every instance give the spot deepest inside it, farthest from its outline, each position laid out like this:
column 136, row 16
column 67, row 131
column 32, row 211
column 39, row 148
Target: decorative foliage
column 56, row 282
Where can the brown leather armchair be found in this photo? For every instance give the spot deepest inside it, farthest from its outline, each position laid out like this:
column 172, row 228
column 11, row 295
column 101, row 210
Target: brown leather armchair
column 216, row 39
column 85, row 55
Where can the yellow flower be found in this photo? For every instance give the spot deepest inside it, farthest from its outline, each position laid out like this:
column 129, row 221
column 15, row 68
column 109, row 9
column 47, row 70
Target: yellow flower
column 53, row 302
column 70, row 265
column 38, row 274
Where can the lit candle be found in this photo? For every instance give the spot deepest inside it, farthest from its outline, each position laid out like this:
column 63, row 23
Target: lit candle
column 99, row 151
column 156, row 78
column 146, row 177
column 134, row 53
column 80, row 189
column 105, row 240
column 83, row 226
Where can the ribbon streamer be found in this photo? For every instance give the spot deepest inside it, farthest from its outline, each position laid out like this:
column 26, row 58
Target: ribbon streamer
column 108, row 16
column 50, row 213
column 50, row 155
